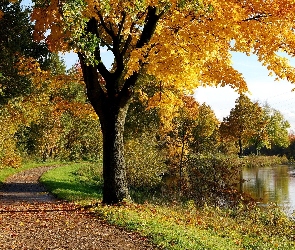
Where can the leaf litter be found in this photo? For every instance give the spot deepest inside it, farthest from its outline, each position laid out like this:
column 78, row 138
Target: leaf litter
column 31, row 218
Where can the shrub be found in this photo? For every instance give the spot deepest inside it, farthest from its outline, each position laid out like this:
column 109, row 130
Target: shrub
column 213, row 178
column 263, row 161
column 144, row 161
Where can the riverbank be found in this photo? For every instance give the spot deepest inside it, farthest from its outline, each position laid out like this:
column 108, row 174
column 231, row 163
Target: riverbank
column 177, row 226
column 251, row 161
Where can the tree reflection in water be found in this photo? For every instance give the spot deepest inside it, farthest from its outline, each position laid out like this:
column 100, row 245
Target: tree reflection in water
column 271, row 185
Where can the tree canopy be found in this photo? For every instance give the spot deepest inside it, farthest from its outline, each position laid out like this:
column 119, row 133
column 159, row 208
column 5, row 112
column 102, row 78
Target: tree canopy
column 15, row 41
column 186, row 43
column 245, row 122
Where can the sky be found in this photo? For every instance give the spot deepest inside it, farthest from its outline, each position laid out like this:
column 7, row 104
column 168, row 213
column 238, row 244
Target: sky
column 262, row 87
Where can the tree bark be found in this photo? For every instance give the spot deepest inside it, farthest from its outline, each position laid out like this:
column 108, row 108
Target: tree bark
column 112, row 120
column 241, row 151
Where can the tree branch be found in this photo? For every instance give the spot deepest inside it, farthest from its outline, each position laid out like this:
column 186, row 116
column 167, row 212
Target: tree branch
column 150, row 26
column 94, row 90
column 103, row 24
column 256, row 17
column 128, row 40
column 121, row 25
column 92, row 27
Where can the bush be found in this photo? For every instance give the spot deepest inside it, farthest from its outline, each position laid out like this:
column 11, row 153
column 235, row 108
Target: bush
column 213, row 179
column 67, row 138
column 81, row 138
column 144, row 162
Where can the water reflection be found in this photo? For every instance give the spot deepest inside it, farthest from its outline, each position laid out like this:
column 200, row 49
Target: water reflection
column 271, row 184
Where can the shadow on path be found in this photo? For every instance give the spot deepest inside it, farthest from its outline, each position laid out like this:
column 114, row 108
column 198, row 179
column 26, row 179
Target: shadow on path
column 25, row 187
column 26, row 192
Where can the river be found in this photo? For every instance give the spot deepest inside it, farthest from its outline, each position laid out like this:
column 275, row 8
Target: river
column 271, row 184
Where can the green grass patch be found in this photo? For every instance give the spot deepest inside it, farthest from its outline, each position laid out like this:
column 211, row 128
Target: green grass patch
column 71, row 183
column 165, row 227
column 177, row 226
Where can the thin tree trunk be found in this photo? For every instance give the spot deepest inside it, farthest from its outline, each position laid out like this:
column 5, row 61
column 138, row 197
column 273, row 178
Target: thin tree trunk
column 181, row 163
column 241, row 148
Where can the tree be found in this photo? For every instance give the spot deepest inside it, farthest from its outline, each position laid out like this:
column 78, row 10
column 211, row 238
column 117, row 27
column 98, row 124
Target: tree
column 59, row 114
column 244, row 122
column 290, row 151
column 276, row 130
column 182, row 43
column 143, row 151
column 180, row 136
column 277, row 127
column 205, row 132
column 15, row 41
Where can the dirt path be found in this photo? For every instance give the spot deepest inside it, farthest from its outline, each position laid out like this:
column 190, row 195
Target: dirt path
column 31, row 218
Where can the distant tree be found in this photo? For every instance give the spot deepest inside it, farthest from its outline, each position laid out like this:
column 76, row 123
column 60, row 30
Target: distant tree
column 60, row 115
column 16, row 41
column 290, row 151
column 143, row 151
column 176, row 136
column 141, row 116
column 276, row 130
column 245, row 121
column 277, row 127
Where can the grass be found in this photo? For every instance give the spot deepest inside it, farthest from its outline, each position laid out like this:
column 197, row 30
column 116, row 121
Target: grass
column 67, row 182
column 176, row 226
column 70, row 182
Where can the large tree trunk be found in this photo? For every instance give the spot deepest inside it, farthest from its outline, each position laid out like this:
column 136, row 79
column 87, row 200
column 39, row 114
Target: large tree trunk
column 112, row 120
column 111, row 109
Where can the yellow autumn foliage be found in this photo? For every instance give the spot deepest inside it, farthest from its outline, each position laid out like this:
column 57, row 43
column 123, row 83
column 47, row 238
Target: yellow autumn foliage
column 192, row 40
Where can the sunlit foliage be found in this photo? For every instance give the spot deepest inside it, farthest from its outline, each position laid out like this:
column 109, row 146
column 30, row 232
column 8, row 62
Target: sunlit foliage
column 16, row 41
column 64, row 125
column 246, row 121
column 205, row 132
column 277, row 127
column 177, row 140
column 53, row 122
column 184, row 30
